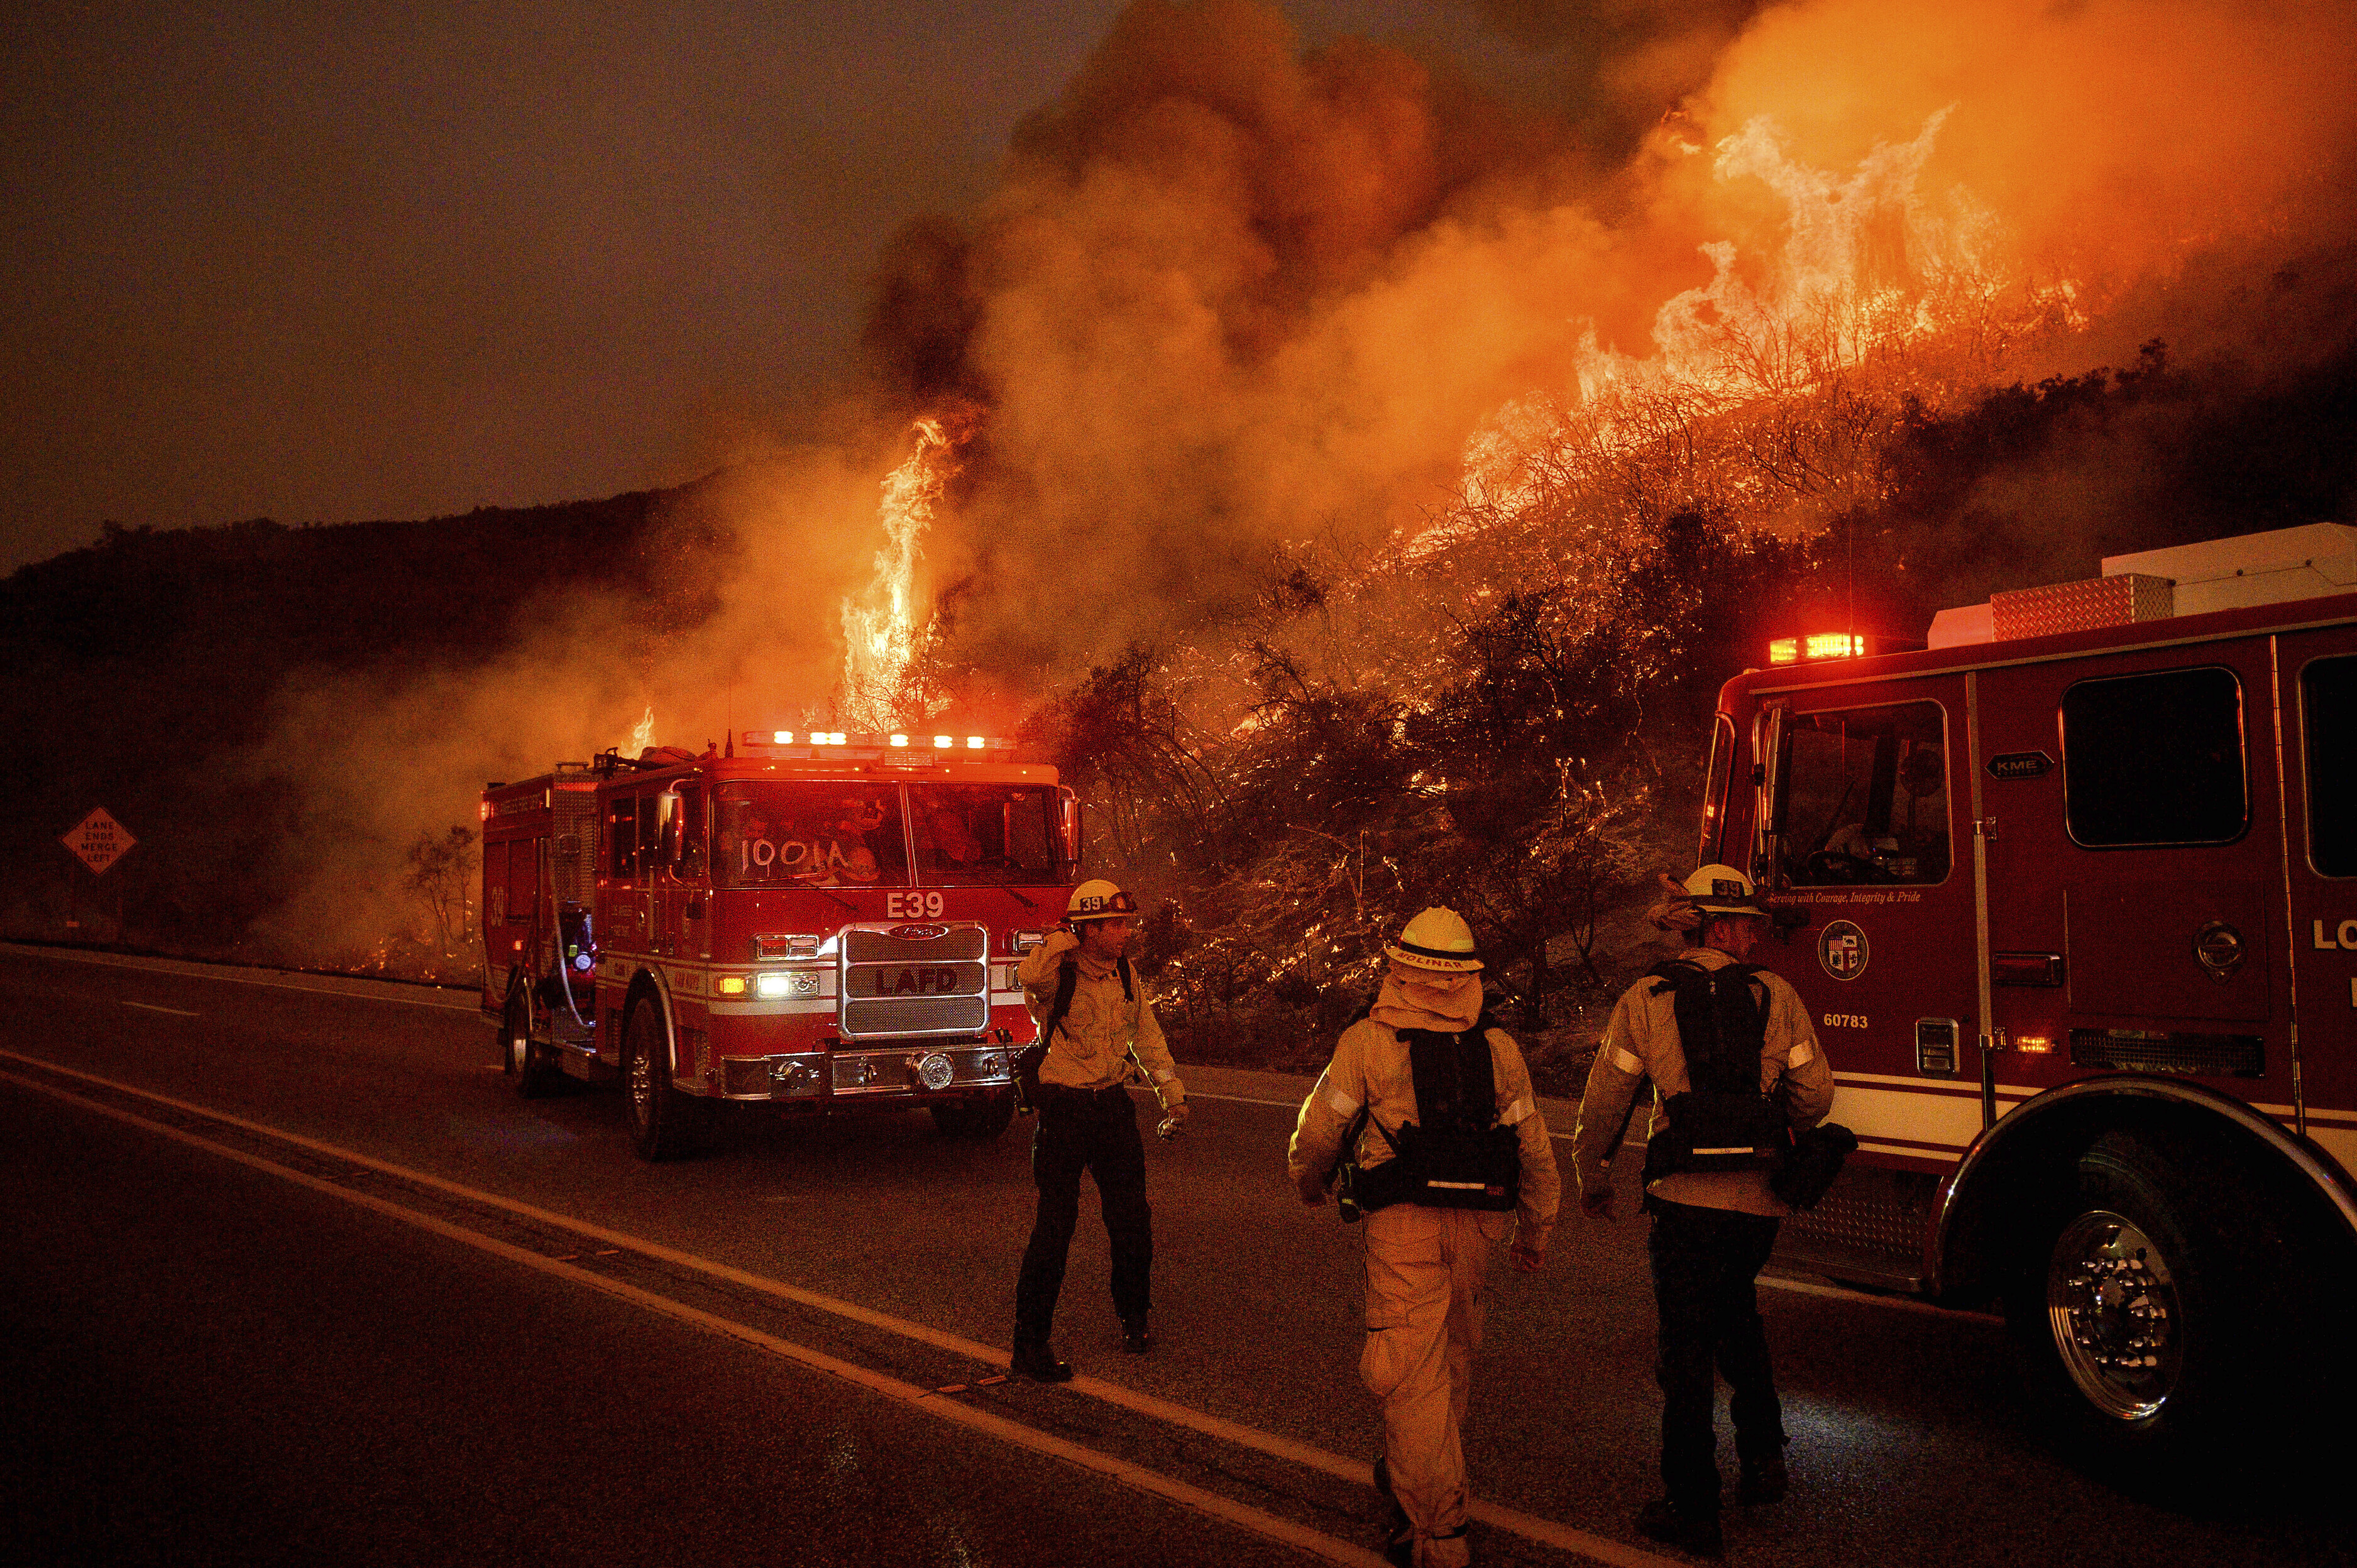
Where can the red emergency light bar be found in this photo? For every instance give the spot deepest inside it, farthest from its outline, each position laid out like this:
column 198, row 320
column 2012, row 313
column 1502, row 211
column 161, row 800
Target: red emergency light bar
column 1817, row 645
column 763, row 740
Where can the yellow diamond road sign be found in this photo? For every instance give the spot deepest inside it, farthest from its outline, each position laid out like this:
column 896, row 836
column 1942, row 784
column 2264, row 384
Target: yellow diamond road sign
column 99, row 840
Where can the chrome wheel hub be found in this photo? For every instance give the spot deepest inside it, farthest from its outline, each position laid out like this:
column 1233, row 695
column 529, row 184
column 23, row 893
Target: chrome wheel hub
column 2111, row 1304
column 643, row 1085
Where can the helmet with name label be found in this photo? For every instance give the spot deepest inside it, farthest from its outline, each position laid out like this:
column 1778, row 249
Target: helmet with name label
column 1436, row 939
column 1723, row 890
column 1099, row 900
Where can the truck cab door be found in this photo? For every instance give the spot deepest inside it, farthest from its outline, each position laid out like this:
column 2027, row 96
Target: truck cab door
column 2317, row 713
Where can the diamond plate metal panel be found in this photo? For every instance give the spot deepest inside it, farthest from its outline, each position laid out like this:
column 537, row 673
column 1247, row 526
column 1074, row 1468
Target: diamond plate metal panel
column 2084, row 606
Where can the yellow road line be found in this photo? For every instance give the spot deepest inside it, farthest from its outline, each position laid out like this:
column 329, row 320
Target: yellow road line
column 1530, row 1527
column 1138, row 1479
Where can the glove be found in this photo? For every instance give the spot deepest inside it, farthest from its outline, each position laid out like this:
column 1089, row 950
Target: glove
column 1174, row 1121
column 1676, row 911
column 1062, row 939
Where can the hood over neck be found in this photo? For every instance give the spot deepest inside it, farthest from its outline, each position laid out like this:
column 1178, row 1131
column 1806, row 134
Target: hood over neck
column 1451, row 1010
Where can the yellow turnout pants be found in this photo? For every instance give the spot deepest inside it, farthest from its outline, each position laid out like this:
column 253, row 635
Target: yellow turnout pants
column 1425, row 1271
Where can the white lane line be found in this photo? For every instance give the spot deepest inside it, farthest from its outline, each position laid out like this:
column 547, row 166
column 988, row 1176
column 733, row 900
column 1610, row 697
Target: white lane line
column 1530, row 1526
column 208, row 972
column 1299, row 1537
column 151, row 1007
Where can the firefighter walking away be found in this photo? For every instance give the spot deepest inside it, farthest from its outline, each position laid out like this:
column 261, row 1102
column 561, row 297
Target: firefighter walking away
column 1426, row 1114
column 1735, row 1067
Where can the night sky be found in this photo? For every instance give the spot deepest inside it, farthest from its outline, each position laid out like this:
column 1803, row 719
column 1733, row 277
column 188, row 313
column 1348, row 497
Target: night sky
column 331, row 263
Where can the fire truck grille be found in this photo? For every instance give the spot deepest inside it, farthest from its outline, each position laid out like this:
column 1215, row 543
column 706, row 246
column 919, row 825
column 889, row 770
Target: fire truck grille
column 956, row 944
column 2209, row 1056
column 865, row 1018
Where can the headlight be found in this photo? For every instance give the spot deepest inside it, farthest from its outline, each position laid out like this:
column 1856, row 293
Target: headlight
column 785, row 984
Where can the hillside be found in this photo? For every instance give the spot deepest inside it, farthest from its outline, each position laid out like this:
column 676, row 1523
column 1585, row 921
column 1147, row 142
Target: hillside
column 144, row 669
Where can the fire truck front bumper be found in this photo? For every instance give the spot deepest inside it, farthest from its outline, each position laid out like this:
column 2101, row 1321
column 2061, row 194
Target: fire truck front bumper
column 874, row 1072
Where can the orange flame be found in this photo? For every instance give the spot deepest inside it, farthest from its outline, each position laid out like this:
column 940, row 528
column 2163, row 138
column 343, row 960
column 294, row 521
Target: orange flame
column 1869, row 265
column 887, row 625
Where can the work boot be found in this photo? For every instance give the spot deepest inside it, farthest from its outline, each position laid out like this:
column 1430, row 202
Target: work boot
column 1764, row 1482
column 1696, row 1534
column 1136, row 1334
column 1040, row 1364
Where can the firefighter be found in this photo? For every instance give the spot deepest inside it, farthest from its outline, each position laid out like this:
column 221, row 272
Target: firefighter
column 1427, row 1070
column 1754, row 1066
column 1101, row 1033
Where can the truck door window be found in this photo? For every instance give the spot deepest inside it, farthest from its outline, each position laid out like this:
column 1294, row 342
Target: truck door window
column 1866, row 797
column 813, row 834
column 2155, row 759
column 970, row 835
column 2328, row 717
column 622, row 838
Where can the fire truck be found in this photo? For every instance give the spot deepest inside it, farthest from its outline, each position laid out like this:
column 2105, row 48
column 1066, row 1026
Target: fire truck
column 2070, row 890
column 819, row 922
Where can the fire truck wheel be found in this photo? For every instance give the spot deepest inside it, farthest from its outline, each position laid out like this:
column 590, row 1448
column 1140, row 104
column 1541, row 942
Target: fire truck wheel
column 664, row 1122
column 980, row 1119
column 2134, row 1318
column 532, row 1064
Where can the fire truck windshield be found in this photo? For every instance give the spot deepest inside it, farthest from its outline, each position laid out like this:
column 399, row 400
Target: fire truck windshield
column 816, row 834
column 984, row 835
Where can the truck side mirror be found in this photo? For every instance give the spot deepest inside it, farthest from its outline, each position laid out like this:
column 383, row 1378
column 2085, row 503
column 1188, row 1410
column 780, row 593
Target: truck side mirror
column 1069, row 826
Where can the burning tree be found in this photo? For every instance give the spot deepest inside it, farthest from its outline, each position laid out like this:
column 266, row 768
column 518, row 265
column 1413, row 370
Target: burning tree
column 441, row 878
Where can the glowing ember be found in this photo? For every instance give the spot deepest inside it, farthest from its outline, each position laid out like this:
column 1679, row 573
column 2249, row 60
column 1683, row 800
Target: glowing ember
column 886, row 627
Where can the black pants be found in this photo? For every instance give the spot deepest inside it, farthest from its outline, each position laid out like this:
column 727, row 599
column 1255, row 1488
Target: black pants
column 1705, row 1263
column 1094, row 1132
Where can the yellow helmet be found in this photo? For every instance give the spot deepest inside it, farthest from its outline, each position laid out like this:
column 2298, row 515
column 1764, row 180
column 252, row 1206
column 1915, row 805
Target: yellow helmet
column 1723, row 890
column 1099, row 900
column 1436, row 939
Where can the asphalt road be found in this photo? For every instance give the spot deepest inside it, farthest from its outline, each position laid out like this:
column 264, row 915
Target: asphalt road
column 289, row 1275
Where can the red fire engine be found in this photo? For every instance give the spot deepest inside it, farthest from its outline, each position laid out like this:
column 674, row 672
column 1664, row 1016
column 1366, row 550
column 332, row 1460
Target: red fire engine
column 821, row 922
column 2072, row 898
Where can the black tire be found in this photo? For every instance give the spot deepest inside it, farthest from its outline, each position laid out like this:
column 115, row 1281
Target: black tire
column 531, row 1063
column 2136, row 1307
column 981, row 1119
column 664, row 1122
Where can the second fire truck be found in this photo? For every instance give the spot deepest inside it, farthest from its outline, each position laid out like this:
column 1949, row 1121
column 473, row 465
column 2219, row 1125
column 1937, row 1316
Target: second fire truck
column 817, row 922
column 2072, row 899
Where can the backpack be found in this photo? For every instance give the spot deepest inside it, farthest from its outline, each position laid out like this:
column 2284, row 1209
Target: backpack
column 1027, row 1059
column 1722, row 1121
column 1456, row 1154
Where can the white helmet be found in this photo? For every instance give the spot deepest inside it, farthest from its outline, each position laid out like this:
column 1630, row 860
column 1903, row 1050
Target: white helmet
column 1723, row 890
column 1099, row 900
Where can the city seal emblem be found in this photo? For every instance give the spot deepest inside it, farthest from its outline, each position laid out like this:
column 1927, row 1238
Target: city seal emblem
column 1842, row 948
